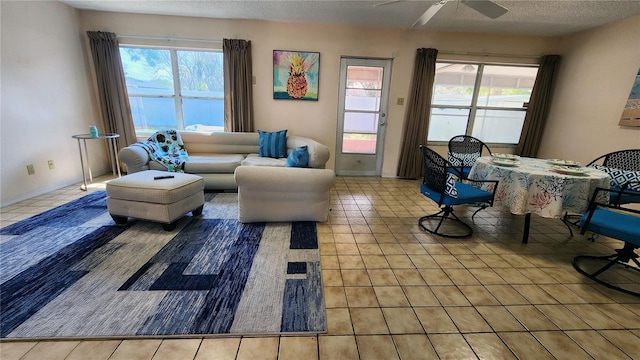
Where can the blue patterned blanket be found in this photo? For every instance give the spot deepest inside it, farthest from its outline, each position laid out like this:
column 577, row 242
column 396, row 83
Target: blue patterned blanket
column 167, row 148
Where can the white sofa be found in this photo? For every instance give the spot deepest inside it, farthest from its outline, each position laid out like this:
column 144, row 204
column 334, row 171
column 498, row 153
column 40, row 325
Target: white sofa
column 283, row 194
column 215, row 156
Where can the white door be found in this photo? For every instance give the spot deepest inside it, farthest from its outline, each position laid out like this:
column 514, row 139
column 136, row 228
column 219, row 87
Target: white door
column 362, row 116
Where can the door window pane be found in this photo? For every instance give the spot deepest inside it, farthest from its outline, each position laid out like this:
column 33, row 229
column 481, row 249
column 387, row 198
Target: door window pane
column 359, row 143
column 364, row 77
column 498, row 126
column 361, row 122
column 506, row 86
column 358, row 99
column 447, row 123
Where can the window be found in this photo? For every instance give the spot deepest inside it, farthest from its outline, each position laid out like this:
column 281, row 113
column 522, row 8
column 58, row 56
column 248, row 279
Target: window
column 485, row 101
column 170, row 88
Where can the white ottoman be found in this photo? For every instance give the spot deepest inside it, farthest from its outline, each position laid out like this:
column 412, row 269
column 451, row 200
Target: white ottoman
column 140, row 196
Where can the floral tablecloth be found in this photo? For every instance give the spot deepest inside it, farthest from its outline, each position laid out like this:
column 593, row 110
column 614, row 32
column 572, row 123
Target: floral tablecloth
column 535, row 187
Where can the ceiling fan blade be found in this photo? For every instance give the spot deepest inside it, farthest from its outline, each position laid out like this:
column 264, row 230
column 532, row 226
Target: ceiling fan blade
column 387, row 3
column 486, row 8
column 431, row 12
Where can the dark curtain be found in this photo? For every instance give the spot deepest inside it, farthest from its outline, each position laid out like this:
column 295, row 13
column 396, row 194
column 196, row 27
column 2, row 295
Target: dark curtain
column 416, row 122
column 112, row 89
column 238, row 86
column 538, row 109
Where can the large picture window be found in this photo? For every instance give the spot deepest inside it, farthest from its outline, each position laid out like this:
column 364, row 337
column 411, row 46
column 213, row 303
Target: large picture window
column 174, row 89
column 486, row 101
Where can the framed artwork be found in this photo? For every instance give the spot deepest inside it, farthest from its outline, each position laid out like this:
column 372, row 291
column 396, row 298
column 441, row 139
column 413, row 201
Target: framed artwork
column 295, row 75
column 631, row 113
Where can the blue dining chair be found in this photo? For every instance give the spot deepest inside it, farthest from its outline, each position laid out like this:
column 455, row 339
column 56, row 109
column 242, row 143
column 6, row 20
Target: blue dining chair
column 616, row 221
column 623, row 168
column 441, row 186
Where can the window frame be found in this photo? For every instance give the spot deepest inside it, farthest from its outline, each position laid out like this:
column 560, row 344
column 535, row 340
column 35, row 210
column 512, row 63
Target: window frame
column 177, row 95
column 473, row 108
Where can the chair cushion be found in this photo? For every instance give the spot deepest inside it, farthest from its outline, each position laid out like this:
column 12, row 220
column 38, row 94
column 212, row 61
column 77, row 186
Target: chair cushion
column 620, row 177
column 213, row 163
column 256, row 160
column 614, row 224
column 272, row 144
column 466, row 195
column 627, row 197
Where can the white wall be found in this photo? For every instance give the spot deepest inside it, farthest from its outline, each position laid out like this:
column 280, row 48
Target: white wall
column 318, row 120
column 46, row 98
column 597, row 70
column 48, row 90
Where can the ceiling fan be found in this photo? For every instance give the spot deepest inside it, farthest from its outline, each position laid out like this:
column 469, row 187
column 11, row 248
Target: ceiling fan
column 485, row 7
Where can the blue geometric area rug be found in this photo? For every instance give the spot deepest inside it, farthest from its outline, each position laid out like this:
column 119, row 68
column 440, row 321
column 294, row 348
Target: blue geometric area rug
column 71, row 272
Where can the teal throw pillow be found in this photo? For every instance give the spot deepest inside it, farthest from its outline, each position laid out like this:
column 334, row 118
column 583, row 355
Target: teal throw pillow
column 299, row 157
column 272, row 144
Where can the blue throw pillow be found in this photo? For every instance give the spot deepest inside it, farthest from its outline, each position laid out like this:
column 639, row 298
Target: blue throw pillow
column 272, row 144
column 299, row 157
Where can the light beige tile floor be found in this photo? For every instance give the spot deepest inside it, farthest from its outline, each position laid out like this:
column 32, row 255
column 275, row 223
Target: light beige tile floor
column 394, row 292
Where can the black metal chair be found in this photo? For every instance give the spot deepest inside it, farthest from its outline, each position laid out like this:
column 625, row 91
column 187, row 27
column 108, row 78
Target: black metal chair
column 463, row 152
column 440, row 185
column 619, row 222
column 623, row 166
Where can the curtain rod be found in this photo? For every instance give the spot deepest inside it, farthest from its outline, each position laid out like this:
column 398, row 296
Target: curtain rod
column 169, row 38
column 489, row 54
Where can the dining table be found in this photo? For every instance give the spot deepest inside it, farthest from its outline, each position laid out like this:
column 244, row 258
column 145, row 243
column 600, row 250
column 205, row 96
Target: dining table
column 546, row 187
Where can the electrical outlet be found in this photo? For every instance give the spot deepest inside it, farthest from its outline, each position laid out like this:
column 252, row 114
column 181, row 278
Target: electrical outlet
column 30, row 169
column 51, row 166
column 400, row 101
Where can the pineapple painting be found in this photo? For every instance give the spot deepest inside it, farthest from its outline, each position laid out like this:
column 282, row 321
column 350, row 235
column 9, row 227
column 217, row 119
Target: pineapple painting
column 295, row 75
column 297, row 81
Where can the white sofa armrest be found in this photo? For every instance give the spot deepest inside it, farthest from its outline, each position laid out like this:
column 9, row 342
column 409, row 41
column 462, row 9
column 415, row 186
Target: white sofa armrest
column 283, row 194
column 135, row 158
column 318, row 153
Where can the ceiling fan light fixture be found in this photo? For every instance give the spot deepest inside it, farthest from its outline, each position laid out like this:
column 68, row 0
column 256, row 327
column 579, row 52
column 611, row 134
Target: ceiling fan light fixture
column 431, row 12
column 487, row 8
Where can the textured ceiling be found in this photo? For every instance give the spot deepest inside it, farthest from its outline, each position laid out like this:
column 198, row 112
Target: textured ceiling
column 544, row 18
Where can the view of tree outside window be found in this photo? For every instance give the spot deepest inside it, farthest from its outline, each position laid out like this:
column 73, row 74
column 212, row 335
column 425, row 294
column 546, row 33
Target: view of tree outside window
column 174, row 89
column 485, row 101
